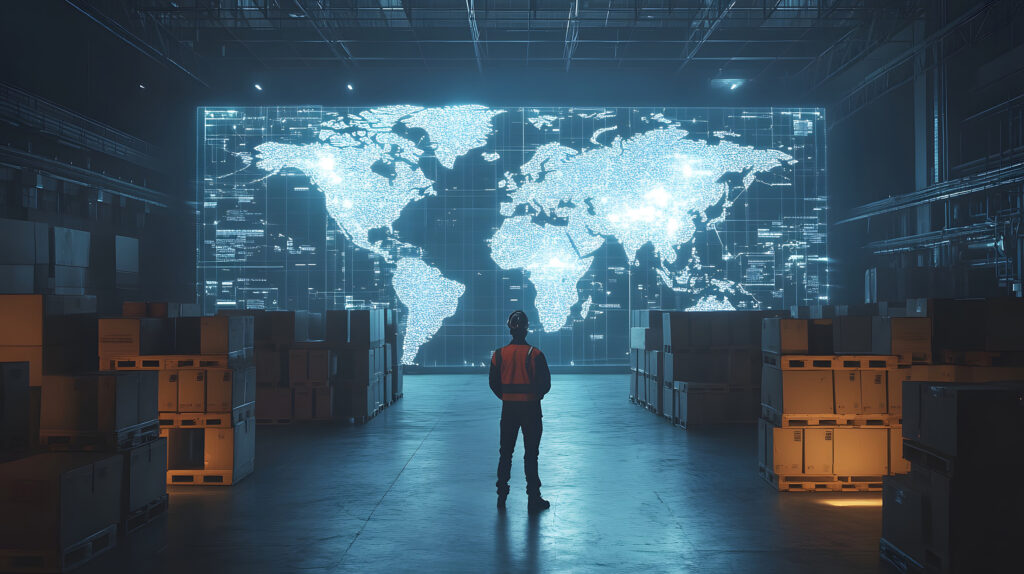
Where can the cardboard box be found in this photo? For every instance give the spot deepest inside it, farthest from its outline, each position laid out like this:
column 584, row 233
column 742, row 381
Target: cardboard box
column 643, row 338
column 168, row 391
column 1004, row 324
column 220, row 335
column 797, row 392
column 225, row 390
column 149, row 395
column 781, row 449
column 851, row 335
column 323, row 402
column 273, row 403
column 298, row 366
column 322, row 366
column 22, row 323
column 675, row 330
column 847, row 391
column 93, row 403
column 269, row 366
column 909, row 338
column 302, row 403
column 903, row 517
column 818, row 450
column 231, row 448
column 15, row 407
column 873, row 391
column 894, row 386
column 699, row 403
column 784, row 336
column 31, row 355
column 861, row 451
column 51, row 501
column 145, row 475
column 191, row 391
column 897, row 464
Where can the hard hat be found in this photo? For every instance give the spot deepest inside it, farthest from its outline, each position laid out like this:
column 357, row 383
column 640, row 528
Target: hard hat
column 518, row 320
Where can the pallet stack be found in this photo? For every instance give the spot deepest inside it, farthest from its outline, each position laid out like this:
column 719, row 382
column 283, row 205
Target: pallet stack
column 84, row 458
column 358, row 337
column 697, row 367
column 962, row 428
column 827, row 419
column 206, row 388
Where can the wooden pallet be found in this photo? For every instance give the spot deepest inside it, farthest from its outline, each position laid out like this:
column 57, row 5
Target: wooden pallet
column 126, row 438
column 866, row 362
column 205, row 477
column 158, row 362
column 898, row 558
column 273, row 421
column 143, row 516
column 799, row 362
column 51, row 561
column 829, row 420
column 210, row 420
column 821, row 483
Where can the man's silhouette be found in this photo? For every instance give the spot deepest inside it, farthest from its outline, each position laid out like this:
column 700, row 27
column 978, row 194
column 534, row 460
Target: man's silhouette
column 520, row 378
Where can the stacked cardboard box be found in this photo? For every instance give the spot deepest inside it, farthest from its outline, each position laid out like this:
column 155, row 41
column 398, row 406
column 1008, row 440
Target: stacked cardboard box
column 827, row 420
column 392, row 350
column 646, row 374
column 358, row 337
column 945, row 515
column 106, row 469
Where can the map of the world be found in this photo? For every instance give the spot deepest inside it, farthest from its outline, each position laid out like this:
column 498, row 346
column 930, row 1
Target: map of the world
column 697, row 209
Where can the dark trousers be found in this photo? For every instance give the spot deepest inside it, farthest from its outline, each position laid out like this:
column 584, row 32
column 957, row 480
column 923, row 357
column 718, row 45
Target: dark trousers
column 515, row 416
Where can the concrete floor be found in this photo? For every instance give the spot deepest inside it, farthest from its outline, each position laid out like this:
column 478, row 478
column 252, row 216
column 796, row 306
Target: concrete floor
column 413, row 490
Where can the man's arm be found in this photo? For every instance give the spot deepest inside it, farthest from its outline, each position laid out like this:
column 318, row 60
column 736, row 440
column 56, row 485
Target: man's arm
column 494, row 378
column 543, row 375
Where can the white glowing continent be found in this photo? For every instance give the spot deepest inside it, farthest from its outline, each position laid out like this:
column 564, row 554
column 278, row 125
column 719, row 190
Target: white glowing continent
column 357, row 198
column 454, row 130
column 550, row 262
column 646, row 189
column 430, row 299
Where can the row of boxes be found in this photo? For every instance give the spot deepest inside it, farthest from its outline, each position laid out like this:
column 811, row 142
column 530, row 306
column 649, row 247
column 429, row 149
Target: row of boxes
column 827, row 391
column 140, row 336
column 281, row 405
column 211, row 456
column 907, row 338
column 205, row 390
column 792, row 455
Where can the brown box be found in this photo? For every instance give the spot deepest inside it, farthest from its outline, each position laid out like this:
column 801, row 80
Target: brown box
column 302, row 403
column 225, row 390
column 861, row 451
column 781, row 449
column 191, row 390
column 22, row 320
column 323, row 402
column 118, row 337
column 168, row 392
column 298, row 366
column 818, row 451
column 873, row 391
column 134, row 309
column 268, row 365
column 909, row 338
column 320, row 367
column 797, row 392
column 273, row 403
column 784, row 336
column 894, row 388
column 847, row 391
column 230, row 448
column 94, row 403
column 145, row 475
column 897, row 464
column 51, row 501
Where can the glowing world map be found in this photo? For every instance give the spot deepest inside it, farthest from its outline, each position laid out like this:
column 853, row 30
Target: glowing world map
column 462, row 213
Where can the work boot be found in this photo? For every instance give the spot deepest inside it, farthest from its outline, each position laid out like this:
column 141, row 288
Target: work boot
column 537, row 504
column 502, row 497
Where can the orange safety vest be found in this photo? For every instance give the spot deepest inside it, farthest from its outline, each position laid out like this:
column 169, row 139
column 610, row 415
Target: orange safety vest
column 517, row 366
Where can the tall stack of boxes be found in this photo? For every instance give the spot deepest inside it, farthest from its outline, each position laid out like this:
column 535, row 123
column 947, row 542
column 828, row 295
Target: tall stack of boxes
column 711, row 366
column 358, row 337
column 962, row 429
column 645, row 359
column 205, row 387
column 276, row 333
column 84, row 460
column 827, row 422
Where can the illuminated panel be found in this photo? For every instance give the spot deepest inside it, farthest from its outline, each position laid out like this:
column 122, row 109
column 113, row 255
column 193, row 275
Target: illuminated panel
column 460, row 214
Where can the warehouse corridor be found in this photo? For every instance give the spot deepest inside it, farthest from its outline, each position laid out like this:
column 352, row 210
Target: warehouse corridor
column 412, row 490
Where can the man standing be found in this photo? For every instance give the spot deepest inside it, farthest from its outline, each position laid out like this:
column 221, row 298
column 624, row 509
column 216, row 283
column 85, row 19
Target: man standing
column 520, row 378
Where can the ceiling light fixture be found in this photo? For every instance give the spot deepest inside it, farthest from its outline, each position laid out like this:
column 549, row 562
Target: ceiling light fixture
column 349, row 86
column 258, row 87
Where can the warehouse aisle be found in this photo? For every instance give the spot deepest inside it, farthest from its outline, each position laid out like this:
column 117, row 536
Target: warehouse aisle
column 414, row 490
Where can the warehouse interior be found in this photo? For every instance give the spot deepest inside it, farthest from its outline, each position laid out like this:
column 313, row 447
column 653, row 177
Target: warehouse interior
column 279, row 277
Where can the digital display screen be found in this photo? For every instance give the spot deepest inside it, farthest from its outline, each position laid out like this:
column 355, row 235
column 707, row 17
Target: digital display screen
column 458, row 215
